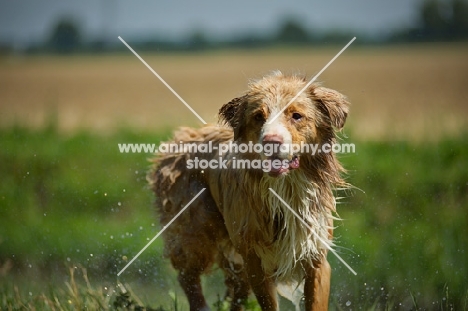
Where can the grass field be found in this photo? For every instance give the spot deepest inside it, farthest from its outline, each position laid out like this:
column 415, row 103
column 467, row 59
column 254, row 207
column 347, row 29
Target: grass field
column 69, row 201
column 417, row 92
column 75, row 201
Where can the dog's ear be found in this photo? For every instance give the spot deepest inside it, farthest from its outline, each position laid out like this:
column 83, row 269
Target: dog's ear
column 232, row 113
column 333, row 104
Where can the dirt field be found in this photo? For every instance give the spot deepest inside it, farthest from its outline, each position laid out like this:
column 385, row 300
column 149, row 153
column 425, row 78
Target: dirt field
column 411, row 92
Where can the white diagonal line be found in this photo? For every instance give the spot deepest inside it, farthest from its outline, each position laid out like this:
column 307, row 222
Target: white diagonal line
column 162, row 80
column 313, row 232
column 160, row 232
column 312, row 81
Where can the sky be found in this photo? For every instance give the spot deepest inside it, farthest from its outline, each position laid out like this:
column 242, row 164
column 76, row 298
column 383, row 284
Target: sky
column 23, row 21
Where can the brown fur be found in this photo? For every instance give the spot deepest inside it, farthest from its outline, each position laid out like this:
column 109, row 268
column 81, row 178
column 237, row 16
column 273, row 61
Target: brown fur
column 237, row 222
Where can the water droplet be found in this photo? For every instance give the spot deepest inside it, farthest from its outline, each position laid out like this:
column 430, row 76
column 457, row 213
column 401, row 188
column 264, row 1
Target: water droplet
column 45, row 214
column 112, row 237
column 91, row 255
column 348, row 303
column 105, row 194
column 119, row 204
column 123, row 190
column 141, row 228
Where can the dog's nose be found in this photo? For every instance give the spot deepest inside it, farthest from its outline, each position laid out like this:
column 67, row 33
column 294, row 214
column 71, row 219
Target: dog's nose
column 272, row 139
column 272, row 144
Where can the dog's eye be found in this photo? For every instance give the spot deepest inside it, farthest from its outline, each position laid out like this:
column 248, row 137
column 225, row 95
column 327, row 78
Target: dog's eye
column 259, row 117
column 296, row 116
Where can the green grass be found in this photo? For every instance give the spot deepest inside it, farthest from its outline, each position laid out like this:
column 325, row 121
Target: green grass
column 406, row 234
column 72, row 197
column 75, row 201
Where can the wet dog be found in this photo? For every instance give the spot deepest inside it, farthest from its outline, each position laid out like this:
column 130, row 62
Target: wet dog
column 239, row 222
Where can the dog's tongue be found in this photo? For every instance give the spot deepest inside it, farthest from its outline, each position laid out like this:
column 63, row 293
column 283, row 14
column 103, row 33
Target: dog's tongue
column 294, row 163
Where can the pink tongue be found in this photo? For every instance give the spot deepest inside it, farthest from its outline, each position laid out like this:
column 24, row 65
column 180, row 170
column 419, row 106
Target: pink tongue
column 294, row 163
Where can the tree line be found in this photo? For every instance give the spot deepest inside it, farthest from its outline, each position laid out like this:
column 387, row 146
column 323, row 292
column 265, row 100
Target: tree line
column 438, row 21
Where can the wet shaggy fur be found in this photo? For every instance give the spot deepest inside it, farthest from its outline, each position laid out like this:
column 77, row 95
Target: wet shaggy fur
column 237, row 222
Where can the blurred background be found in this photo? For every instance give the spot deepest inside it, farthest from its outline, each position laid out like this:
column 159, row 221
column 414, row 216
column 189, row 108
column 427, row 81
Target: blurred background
column 74, row 210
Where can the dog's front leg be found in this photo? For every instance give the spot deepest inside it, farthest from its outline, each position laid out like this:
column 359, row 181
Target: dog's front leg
column 262, row 285
column 317, row 285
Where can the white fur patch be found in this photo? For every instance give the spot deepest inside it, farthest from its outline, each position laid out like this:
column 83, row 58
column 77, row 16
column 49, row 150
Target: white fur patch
column 294, row 243
column 293, row 291
column 277, row 128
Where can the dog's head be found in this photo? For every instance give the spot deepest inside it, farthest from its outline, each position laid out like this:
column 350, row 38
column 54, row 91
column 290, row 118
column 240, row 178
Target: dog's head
column 264, row 115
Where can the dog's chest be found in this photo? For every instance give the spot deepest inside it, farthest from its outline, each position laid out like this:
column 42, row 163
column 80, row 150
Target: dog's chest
column 268, row 215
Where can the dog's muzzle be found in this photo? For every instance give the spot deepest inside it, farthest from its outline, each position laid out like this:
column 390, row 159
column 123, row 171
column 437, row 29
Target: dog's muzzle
column 280, row 157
